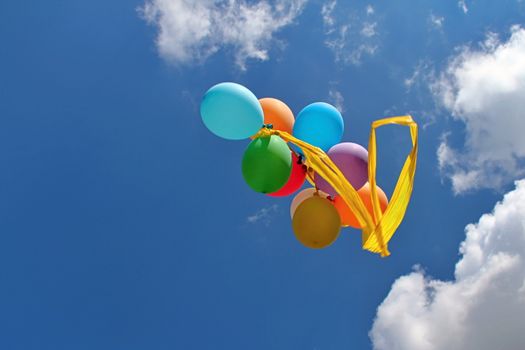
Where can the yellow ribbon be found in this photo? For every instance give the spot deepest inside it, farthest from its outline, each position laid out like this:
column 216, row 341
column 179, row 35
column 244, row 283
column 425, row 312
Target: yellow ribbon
column 377, row 229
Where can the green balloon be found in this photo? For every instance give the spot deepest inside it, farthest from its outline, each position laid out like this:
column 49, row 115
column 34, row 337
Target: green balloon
column 267, row 164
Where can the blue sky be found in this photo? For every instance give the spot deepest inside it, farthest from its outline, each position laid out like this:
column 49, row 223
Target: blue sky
column 124, row 223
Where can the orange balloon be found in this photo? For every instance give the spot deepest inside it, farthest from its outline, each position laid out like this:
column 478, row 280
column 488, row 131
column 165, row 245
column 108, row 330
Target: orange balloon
column 278, row 114
column 347, row 216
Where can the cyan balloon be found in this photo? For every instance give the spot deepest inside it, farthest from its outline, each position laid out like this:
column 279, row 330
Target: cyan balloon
column 320, row 124
column 231, row 111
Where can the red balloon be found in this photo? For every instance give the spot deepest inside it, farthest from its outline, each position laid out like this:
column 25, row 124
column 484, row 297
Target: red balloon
column 295, row 181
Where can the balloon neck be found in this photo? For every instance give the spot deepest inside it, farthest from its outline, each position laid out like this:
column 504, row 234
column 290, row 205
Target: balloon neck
column 268, row 126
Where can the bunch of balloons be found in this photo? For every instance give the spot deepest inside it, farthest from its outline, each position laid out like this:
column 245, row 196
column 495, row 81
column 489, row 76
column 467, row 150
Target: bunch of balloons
column 286, row 151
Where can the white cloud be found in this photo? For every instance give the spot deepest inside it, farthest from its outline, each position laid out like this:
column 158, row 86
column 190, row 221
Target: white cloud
column 353, row 38
column 191, row 31
column 485, row 89
column 482, row 308
column 263, row 215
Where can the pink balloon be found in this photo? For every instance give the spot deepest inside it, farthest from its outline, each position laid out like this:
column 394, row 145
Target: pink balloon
column 303, row 195
column 352, row 160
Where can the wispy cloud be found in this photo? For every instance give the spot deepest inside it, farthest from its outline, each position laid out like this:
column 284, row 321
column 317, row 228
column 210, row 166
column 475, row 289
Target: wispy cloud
column 436, row 21
column 191, row 31
column 336, row 98
column 263, row 215
column 369, row 29
column 327, row 13
column 351, row 38
column 463, row 6
column 421, row 75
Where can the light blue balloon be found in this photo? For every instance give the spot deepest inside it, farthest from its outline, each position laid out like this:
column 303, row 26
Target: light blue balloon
column 320, row 124
column 231, row 111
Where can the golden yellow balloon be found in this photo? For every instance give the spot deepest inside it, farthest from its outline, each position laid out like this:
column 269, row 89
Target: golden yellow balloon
column 316, row 223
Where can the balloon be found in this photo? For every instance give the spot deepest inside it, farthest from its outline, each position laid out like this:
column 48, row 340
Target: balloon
column 296, row 179
column 267, row 164
column 302, row 196
column 347, row 216
column 278, row 114
column 352, row 160
column 231, row 111
column 316, row 223
column 319, row 124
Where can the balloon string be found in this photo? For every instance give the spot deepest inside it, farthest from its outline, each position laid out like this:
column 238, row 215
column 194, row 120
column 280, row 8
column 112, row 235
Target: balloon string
column 323, row 166
column 310, row 177
column 378, row 228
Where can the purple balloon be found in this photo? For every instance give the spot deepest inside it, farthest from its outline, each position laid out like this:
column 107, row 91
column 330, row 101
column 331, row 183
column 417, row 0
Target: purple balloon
column 352, row 160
